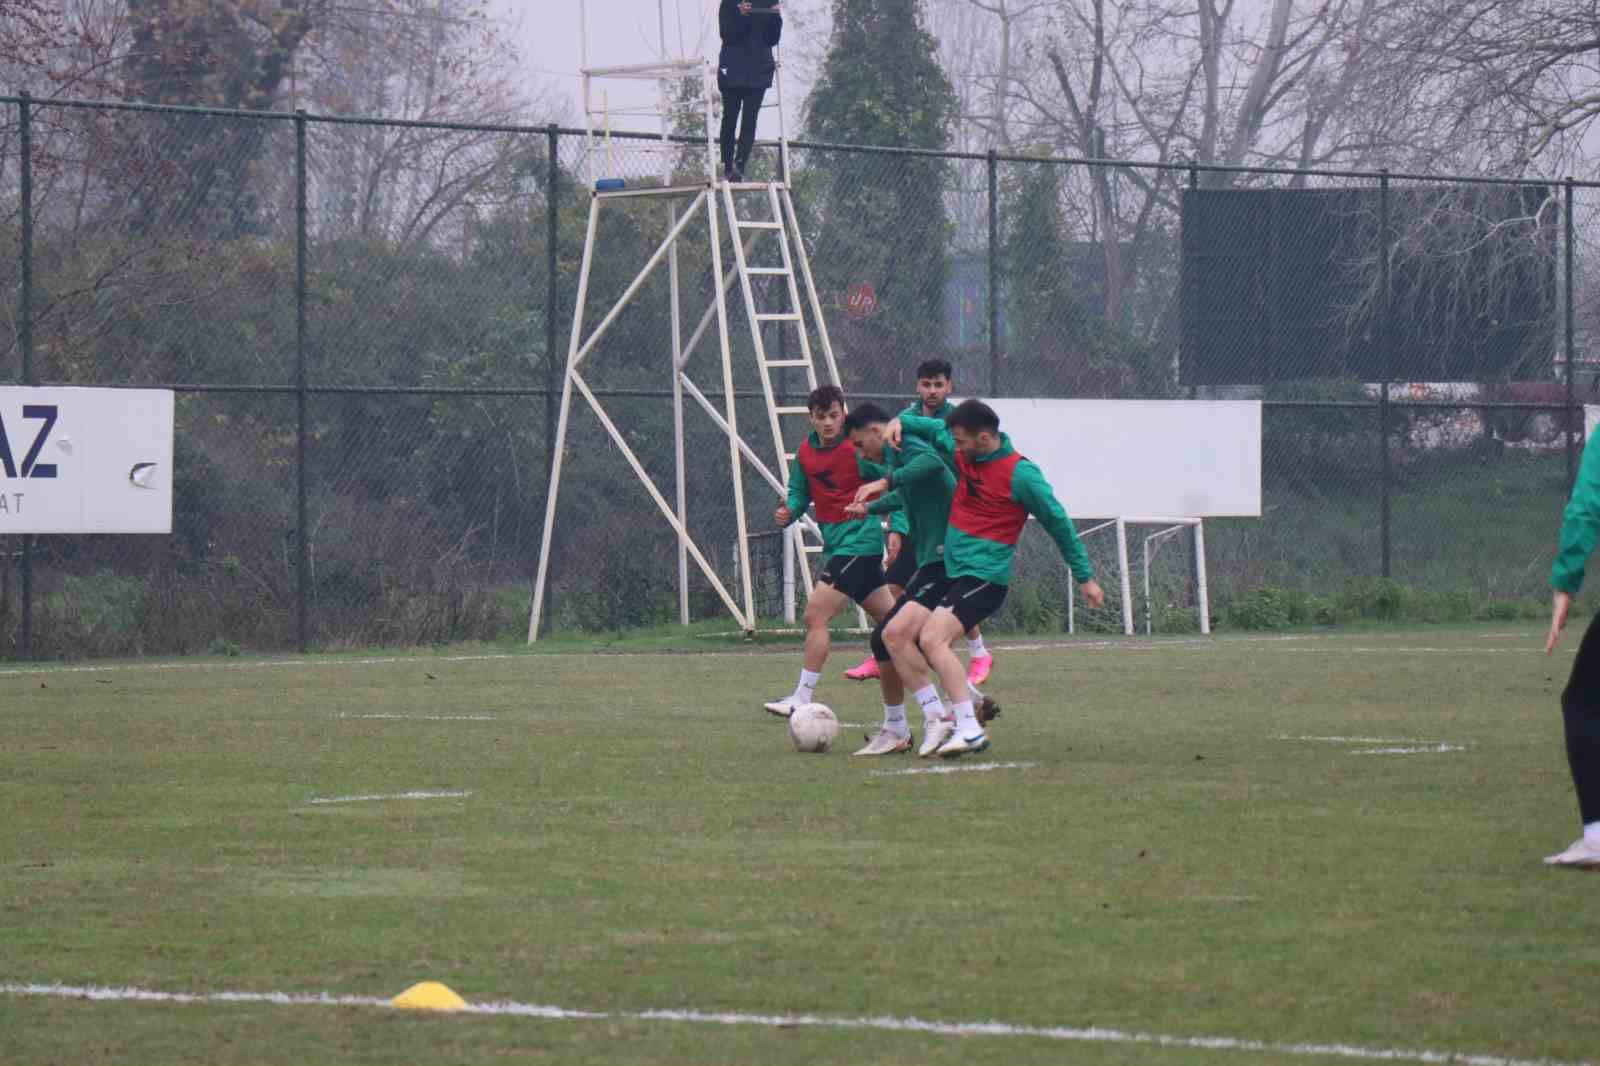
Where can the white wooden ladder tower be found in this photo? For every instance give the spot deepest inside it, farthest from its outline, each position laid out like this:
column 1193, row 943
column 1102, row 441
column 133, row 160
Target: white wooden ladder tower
column 768, row 212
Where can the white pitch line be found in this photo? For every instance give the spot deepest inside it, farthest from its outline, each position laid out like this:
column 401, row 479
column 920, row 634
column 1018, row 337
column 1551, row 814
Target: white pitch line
column 1423, row 749
column 418, row 717
column 417, row 794
column 1090, row 1035
column 958, row 768
column 270, row 664
column 1393, row 745
column 1353, row 740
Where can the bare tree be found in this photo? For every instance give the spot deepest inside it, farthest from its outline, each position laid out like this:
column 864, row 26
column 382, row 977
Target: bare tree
column 440, row 63
column 1215, row 82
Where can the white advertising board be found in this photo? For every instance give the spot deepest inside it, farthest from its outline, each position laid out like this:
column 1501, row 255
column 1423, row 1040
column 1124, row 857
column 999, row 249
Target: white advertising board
column 1125, row 458
column 85, row 460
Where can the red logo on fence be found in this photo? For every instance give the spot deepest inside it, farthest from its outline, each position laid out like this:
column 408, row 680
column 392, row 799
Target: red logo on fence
column 861, row 301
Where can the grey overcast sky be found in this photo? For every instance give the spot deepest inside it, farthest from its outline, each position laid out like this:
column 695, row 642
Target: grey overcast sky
column 548, row 36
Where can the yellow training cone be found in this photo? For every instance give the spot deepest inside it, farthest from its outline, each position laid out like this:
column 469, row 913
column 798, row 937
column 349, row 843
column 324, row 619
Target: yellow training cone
column 429, row 995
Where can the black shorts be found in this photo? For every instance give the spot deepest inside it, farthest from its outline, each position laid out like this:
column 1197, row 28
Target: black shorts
column 928, row 586
column 899, row 572
column 973, row 599
column 857, row 576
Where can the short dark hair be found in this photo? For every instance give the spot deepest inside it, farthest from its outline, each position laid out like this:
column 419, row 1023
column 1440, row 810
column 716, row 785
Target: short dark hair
column 823, row 397
column 932, row 368
column 974, row 416
column 864, row 415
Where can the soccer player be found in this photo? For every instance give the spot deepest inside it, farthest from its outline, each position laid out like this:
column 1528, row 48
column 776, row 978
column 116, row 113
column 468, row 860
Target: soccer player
column 1580, row 700
column 996, row 490
column 825, row 471
column 934, row 382
column 914, row 480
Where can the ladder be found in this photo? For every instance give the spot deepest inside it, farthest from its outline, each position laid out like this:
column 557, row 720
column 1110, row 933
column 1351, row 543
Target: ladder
column 786, row 421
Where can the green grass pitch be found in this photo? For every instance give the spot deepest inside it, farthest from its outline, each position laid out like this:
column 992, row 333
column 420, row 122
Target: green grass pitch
column 1177, row 856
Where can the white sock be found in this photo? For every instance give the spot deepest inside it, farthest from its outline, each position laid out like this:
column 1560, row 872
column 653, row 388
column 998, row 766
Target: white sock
column 928, row 700
column 894, row 719
column 967, row 720
column 975, row 646
column 807, row 686
column 1591, row 834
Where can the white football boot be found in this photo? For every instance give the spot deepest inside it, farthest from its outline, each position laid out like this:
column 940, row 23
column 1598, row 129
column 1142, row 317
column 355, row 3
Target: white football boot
column 884, row 742
column 782, row 708
column 1580, row 856
column 934, row 734
column 959, row 745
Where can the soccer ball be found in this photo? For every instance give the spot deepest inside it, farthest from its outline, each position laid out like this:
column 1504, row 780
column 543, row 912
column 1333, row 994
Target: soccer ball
column 812, row 727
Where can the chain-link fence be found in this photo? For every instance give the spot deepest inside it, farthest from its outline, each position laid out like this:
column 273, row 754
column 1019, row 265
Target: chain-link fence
column 366, row 323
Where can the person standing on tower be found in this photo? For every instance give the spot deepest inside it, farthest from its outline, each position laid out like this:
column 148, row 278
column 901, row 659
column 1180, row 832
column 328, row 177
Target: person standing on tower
column 750, row 30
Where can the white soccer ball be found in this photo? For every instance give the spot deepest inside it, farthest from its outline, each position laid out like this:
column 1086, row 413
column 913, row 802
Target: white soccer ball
column 813, row 727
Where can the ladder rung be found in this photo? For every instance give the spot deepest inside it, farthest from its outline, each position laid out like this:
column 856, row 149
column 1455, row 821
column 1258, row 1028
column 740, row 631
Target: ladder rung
column 786, row 362
column 790, row 411
column 779, row 316
column 759, row 225
column 811, row 549
column 754, row 186
column 777, row 272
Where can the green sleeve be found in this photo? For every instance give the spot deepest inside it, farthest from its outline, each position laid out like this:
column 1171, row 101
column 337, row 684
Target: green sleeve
column 871, row 471
column 933, row 432
column 799, row 492
column 1580, row 525
column 1033, row 492
column 890, row 502
column 922, row 465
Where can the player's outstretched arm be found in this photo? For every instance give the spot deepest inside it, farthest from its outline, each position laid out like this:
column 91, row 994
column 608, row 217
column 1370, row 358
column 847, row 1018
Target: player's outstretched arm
column 871, row 490
column 932, row 432
column 921, row 466
column 1033, row 492
column 889, row 503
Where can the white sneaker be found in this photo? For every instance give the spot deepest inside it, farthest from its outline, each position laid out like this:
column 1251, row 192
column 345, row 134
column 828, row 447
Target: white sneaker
column 884, row 742
column 782, row 708
column 934, row 734
column 959, row 745
column 1580, row 855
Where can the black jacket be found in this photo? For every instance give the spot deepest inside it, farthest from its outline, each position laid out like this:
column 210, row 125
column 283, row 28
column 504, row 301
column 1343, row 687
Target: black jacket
column 747, row 41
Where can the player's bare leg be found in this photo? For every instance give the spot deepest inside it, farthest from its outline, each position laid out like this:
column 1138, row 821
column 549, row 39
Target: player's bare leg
column 894, row 736
column 912, row 669
column 934, row 640
column 825, row 602
column 869, row 666
column 879, row 603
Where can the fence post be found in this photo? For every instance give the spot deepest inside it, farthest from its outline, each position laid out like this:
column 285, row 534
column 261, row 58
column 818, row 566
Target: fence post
column 25, row 339
column 1572, row 468
column 1386, row 340
column 994, row 273
column 551, row 295
column 1188, row 315
column 302, row 547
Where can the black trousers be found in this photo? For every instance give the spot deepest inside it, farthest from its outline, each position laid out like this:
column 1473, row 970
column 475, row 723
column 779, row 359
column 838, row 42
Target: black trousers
column 1580, row 709
column 737, row 102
